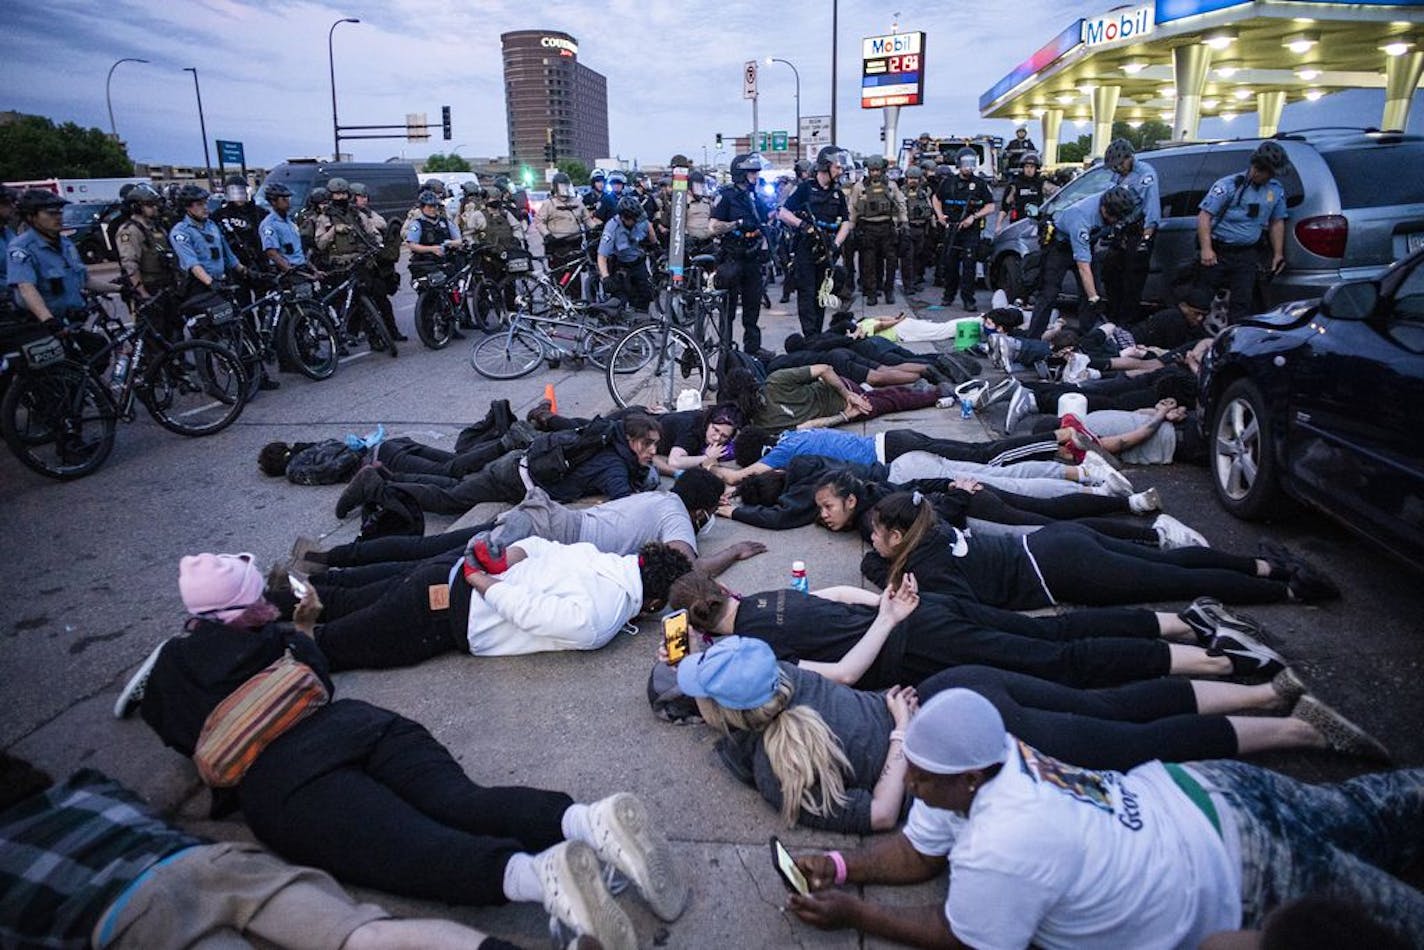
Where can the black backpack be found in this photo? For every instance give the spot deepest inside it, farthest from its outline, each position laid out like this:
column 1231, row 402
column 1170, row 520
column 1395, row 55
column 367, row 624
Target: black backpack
column 396, row 513
column 552, row 455
column 736, row 359
column 326, row 463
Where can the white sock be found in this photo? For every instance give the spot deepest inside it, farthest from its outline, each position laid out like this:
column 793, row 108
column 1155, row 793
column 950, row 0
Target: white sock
column 576, row 825
column 521, row 881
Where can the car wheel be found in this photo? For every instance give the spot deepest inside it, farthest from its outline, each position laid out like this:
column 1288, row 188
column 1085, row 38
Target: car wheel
column 1243, row 461
column 1008, row 277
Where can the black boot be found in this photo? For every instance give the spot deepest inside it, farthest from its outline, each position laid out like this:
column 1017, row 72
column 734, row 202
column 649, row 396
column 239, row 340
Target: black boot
column 889, row 295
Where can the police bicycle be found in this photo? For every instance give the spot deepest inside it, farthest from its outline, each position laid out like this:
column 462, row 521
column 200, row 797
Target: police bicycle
column 286, row 324
column 348, row 299
column 654, row 362
column 565, row 330
column 60, row 409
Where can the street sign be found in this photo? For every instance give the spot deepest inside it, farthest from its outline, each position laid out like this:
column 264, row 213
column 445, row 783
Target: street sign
column 892, row 70
column 416, row 128
column 749, row 80
column 779, row 141
column 230, row 153
column 815, row 130
column 761, row 142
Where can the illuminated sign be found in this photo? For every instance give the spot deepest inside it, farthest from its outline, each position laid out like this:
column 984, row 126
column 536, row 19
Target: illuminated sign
column 1123, row 25
column 892, row 70
column 565, row 47
column 1048, row 54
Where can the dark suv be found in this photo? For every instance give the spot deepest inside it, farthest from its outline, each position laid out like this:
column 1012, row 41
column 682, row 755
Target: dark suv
column 1355, row 200
column 1322, row 399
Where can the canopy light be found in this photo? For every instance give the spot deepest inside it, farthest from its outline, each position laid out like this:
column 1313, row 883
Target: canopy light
column 1219, row 40
column 1313, row 95
column 1227, row 70
column 1301, row 43
column 1309, row 75
column 1397, row 48
column 1132, row 69
column 1242, row 94
column 1227, row 116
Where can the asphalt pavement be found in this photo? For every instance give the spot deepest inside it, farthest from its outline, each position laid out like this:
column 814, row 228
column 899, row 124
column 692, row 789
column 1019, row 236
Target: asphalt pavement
column 92, row 569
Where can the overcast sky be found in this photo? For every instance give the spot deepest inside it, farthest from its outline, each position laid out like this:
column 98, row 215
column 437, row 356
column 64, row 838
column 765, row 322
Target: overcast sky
column 674, row 69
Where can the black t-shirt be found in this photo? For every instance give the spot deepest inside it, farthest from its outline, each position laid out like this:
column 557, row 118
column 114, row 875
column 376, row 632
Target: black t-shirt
column 827, row 205
column 992, row 569
column 1167, row 328
column 960, row 197
column 799, row 626
column 684, row 429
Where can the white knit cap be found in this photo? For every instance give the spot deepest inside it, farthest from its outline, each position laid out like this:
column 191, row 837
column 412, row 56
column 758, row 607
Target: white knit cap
column 956, row 731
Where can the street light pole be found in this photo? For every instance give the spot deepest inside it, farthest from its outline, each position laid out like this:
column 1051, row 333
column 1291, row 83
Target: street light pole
column 835, row 37
column 202, row 126
column 108, row 100
column 797, row 73
column 331, row 67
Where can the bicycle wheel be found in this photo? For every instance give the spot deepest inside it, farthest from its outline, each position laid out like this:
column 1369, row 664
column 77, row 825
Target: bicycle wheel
column 599, row 343
column 651, row 364
column 433, row 321
column 507, row 355
column 194, row 389
column 485, row 301
column 310, row 341
column 237, row 340
column 59, row 422
column 376, row 333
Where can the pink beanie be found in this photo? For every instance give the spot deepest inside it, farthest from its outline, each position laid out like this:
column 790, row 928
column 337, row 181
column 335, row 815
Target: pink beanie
column 219, row 585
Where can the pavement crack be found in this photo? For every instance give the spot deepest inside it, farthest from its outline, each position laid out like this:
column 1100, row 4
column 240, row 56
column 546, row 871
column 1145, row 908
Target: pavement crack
column 778, row 906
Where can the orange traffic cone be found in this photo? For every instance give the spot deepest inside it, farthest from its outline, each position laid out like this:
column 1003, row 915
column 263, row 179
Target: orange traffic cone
column 552, row 399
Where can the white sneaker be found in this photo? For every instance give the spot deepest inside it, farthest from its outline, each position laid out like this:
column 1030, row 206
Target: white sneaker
column 992, row 394
column 1022, row 403
column 1140, row 503
column 624, row 836
column 132, row 693
column 1094, row 469
column 1000, row 299
column 575, row 895
column 1174, row 534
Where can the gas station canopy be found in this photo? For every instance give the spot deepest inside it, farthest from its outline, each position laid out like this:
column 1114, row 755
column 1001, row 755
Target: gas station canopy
column 1178, row 60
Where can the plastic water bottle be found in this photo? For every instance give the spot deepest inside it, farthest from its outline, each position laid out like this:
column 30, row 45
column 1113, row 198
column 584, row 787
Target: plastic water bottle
column 966, row 407
column 798, row 577
column 121, row 369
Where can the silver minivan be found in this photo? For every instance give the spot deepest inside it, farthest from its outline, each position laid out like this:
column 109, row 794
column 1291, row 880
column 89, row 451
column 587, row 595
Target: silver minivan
column 1355, row 200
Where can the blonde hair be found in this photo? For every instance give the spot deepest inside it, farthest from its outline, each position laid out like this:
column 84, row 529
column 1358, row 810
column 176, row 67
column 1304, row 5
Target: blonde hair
column 806, row 756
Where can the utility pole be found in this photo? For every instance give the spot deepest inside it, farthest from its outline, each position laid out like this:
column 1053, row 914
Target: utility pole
column 202, row 126
column 835, row 37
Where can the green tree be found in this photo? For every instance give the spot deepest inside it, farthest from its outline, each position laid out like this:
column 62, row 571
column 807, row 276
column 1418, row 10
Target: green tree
column 32, row 146
column 1075, row 152
column 446, row 163
column 575, row 169
column 1146, row 135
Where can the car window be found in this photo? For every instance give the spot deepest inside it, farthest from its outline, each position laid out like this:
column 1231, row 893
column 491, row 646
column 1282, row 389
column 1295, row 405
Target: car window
column 1087, row 185
column 1406, row 316
column 1219, row 163
column 1357, row 174
column 79, row 213
column 1175, row 174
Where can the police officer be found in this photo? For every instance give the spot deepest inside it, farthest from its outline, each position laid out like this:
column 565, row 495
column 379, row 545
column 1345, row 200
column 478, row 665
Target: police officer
column 503, row 229
column 962, row 206
column 1018, row 148
column 1130, row 251
column 343, row 235
column 146, row 260
column 919, row 213
column 305, row 220
column 698, row 223
column 738, row 218
column 281, row 241
column 596, row 185
column 622, row 260
column 7, row 234
column 878, row 215
column 1234, row 217
column 239, row 220
column 818, row 209
column 1070, row 238
column 42, row 267
column 608, row 207
column 429, row 235
column 562, row 219
column 204, row 255
column 1026, row 192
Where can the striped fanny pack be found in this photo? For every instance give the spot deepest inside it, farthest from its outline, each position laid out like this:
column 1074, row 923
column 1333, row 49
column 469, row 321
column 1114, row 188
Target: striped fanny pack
column 253, row 716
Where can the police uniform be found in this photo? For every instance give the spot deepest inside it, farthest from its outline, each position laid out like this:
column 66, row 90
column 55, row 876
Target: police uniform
column 624, row 249
column 1072, row 234
column 144, row 251
column 919, row 213
column 1126, row 263
column 1029, row 194
column 6, row 236
column 959, row 198
column 1241, row 213
column 201, row 243
column 877, row 212
column 562, row 222
column 429, row 232
column 1017, row 149
column 240, row 224
column 502, row 230
column 343, row 234
column 739, row 268
column 593, row 198
column 826, row 209
column 56, row 271
column 282, row 235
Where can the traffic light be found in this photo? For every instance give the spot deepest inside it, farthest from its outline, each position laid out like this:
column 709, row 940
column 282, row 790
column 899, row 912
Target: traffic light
column 445, row 122
column 551, row 151
column 719, row 139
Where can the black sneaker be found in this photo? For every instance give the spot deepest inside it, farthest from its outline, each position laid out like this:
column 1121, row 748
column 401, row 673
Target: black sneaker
column 1248, row 657
column 132, row 693
column 1207, row 616
column 1309, row 586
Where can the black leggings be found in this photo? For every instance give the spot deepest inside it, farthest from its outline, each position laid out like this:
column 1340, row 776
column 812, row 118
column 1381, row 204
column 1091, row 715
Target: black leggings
column 399, row 815
column 498, row 481
column 400, row 628
column 994, row 505
column 1082, row 567
column 407, row 456
column 1079, row 648
column 1117, row 728
column 1005, row 451
column 399, row 548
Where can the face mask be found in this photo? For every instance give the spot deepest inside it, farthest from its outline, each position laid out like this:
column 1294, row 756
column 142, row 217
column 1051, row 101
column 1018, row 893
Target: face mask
column 707, row 525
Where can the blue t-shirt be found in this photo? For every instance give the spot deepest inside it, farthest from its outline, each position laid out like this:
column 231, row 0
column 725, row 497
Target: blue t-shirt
column 1241, row 211
column 56, row 272
column 831, row 443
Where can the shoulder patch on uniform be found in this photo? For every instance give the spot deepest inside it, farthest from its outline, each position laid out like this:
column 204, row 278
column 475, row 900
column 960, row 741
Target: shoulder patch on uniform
column 125, row 236
column 1084, row 232
column 1218, row 189
column 1147, row 179
column 180, row 236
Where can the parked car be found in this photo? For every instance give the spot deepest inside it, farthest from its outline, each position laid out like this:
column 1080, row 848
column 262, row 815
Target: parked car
column 1320, row 400
column 1354, row 209
column 392, row 185
column 91, row 225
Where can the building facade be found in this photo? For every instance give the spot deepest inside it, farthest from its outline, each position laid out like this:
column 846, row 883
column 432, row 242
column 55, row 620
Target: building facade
column 550, row 95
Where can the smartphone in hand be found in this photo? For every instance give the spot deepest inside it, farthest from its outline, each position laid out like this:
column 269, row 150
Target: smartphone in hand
column 675, row 636
column 786, row 868
column 301, row 584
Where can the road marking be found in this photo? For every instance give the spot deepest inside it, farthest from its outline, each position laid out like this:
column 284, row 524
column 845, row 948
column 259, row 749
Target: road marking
column 355, row 356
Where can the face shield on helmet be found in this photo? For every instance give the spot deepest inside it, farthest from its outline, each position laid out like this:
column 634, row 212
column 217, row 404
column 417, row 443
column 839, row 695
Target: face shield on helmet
column 697, row 184
column 838, row 157
column 235, row 193
column 967, row 161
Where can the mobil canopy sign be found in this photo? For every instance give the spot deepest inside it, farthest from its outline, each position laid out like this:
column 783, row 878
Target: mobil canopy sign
column 1129, row 24
column 892, row 70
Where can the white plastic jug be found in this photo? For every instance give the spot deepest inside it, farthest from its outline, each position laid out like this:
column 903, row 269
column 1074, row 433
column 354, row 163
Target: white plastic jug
column 689, row 399
column 1075, row 404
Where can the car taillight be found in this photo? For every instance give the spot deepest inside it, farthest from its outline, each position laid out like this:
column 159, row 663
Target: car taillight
column 1323, row 235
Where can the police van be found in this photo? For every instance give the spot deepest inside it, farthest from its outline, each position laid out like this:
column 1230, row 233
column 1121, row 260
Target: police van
column 392, row 185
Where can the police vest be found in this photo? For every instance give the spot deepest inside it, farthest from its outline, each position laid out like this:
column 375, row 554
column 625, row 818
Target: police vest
column 699, row 219
column 432, row 232
column 347, row 243
column 150, row 254
column 1028, row 196
column 917, row 206
column 960, row 198
column 562, row 219
column 824, row 206
column 875, row 203
column 498, row 231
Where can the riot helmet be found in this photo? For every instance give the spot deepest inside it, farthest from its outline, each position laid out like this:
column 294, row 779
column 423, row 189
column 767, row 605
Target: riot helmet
column 1117, row 203
column 428, row 199
column 630, row 207
column 966, row 159
column 1118, row 152
column 563, row 185
column 832, row 155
